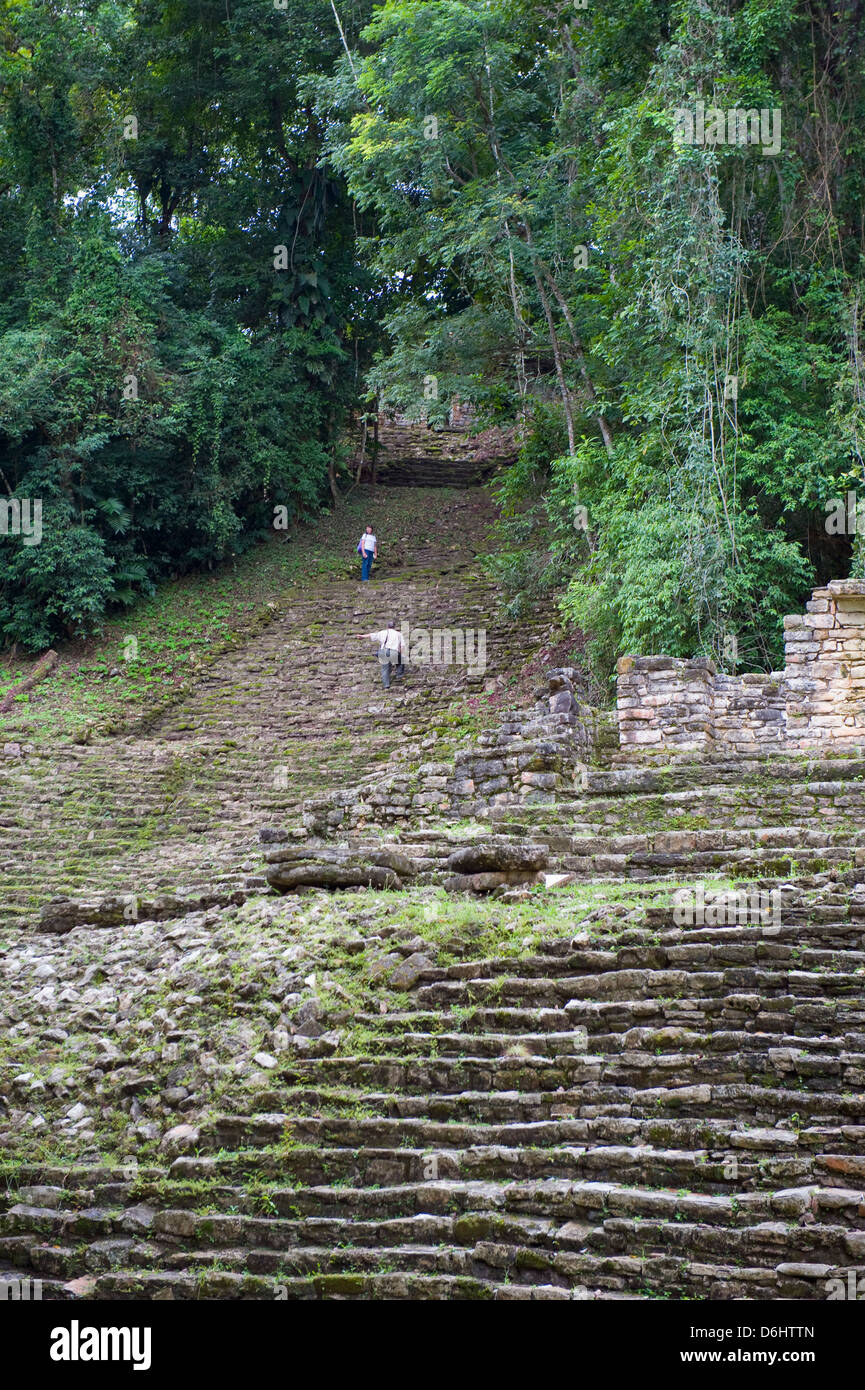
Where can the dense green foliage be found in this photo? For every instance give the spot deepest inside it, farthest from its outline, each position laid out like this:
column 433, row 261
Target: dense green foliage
column 164, row 386
column 483, row 199
column 700, row 503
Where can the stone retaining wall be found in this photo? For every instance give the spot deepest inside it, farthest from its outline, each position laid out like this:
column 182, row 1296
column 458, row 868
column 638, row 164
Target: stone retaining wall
column 670, row 704
column 537, row 755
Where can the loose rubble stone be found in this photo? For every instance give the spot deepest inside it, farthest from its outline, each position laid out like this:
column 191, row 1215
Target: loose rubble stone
column 180, row 1139
column 409, row 971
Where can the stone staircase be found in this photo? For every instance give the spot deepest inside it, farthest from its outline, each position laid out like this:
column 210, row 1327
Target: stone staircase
column 462, row 1033
column 413, row 454
column 775, row 817
column 615, row 1106
column 171, row 811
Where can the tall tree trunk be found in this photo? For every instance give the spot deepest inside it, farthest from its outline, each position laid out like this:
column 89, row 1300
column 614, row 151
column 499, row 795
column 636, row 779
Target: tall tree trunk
column 359, row 473
column 519, row 326
column 579, row 351
column 557, row 357
column 331, row 474
column 375, row 448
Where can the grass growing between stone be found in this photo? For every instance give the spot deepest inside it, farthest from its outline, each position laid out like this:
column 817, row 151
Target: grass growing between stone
column 148, row 657
column 122, row 1035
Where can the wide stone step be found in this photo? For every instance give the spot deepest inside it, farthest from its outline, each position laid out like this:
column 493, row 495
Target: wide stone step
column 224, row 1285
column 309, row 866
column 561, row 1199
column 595, row 1074
column 615, row 1025
column 697, row 956
column 579, row 1276
column 753, row 1012
column 695, row 772
column 832, row 1153
column 774, row 802
column 510, row 1161
column 761, row 1105
column 558, row 992
column 495, row 1162
column 743, row 863
column 477, row 1021
column 562, row 1260
column 784, row 839
column 783, row 1053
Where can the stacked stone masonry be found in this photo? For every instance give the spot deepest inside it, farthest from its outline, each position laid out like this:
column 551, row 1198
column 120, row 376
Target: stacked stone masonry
column 534, row 756
column 668, row 704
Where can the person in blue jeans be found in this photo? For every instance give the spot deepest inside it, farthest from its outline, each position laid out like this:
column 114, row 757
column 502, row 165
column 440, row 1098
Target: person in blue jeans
column 368, row 547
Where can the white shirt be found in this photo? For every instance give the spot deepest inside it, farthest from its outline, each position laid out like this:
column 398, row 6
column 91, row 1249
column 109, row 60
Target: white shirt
column 368, row 542
column 390, row 638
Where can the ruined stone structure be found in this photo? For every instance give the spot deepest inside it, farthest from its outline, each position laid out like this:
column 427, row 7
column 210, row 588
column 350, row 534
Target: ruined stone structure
column 534, row 756
column 818, row 701
column 584, row 1089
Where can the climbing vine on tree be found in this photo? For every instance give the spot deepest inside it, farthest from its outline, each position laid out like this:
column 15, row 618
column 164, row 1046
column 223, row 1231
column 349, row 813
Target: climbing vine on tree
column 225, row 227
column 177, row 276
column 693, row 313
